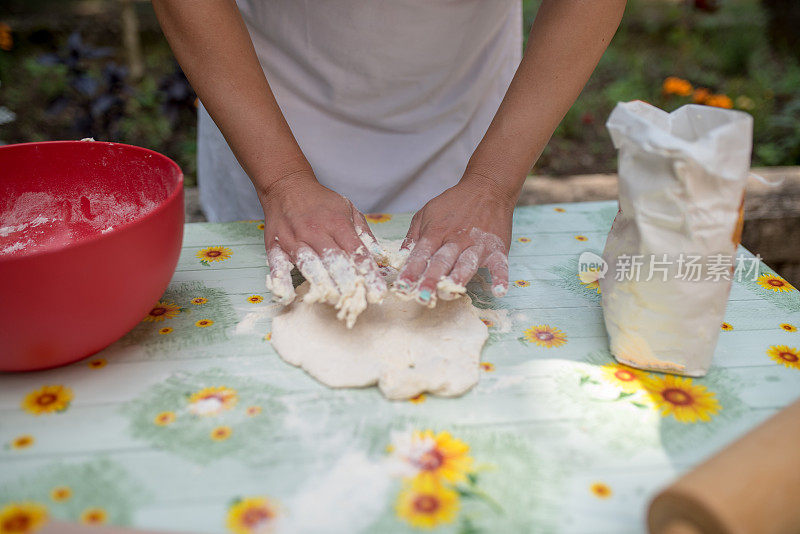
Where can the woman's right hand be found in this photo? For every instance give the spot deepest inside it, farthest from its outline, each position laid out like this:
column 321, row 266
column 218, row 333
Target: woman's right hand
column 327, row 238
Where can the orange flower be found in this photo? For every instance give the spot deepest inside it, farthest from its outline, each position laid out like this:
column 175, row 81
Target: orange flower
column 164, row 418
column 727, row 327
column 581, row 238
column 197, row 301
column 221, row 433
column 22, row 442
column 600, row 490
column 524, row 239
column 487, row 366
column 6, row 40
column 719, row 101
column 676, row 86
column 255, row 299
column 700, row 95
column 162, row 310
column 521, row 283
column 559, row 210
column 165, row 330
column 203, row 323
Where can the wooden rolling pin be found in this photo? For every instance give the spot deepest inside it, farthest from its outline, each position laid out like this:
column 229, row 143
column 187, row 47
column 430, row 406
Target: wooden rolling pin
column 750, row 487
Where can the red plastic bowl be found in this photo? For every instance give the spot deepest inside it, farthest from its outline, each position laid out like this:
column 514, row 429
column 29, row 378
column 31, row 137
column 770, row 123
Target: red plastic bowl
column 90, row 234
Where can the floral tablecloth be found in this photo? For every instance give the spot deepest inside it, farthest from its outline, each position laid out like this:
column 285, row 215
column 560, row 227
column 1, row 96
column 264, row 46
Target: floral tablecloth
column 192, row 422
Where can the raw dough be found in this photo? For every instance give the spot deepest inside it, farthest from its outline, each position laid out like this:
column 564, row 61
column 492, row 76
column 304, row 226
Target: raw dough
column 405, row 348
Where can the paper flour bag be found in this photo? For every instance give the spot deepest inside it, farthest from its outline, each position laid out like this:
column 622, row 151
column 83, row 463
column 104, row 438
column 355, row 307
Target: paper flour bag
column 671, row 251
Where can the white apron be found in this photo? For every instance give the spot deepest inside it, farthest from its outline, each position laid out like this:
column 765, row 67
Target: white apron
column 387, row 98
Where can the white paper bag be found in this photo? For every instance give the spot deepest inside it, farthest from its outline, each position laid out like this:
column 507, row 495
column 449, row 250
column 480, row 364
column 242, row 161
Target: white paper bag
column 681, row 186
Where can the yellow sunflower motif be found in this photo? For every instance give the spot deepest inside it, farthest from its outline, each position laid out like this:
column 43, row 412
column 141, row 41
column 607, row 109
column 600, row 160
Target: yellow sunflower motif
column 378, row 217
column 255, row 299
column 785, row 355
column 521, row 283
column 164, row 418
column 426, row 504
column 161, row 311
column 559, row 210
column 61, row 493
column 212, row 254
column 524, row 239
column 22, row 442
column 253, row 515
column 419, row 398
column 727, row 327
column 626, row 378
column 221, row 433
column 94, row 516
column 581, row 238
column 487, row 322
column 774, row 282
column 440, row 457
column 487, row 366
column 788, row 327
column 48, row 399
column 203, row 323
column 260, row 226
column 213, row 400
column 545, row 336
column 600, row 490
column 22, row 517
column 97, row 363
column 166, row 330
column 198, row 301
column 590, row 280
column 679, row 397
column 253, row 410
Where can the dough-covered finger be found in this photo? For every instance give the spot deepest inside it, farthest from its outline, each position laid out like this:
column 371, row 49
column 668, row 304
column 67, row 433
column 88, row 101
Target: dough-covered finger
column 497, row 263
column 367, row 237
column 279, row 278
column 363, row 265
column 439, row 266
column 352, row 287
column 466, row 266
column 321, row 286
column 415, row 265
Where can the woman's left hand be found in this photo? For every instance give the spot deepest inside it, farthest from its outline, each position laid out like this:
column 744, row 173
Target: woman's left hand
column 466, row 227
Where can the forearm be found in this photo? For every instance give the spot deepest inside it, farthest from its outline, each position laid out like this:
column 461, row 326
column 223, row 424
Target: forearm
column 565, row 44
column 212, row 45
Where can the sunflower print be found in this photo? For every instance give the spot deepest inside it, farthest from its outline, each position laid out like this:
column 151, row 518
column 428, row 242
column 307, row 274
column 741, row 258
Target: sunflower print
column 424, row 503
column 48, row 399
column 726, row 327
column 22, row 442
column 94, row 516
column 600, row 490
column 252, row 411
column 487, row 366
column 221, row 433
column 679, row 397
column 524, row 239
column 22, row 517
column 97, row 363
column 204, row 323
column 788, row 327
column 161, row 311
column 440, row 457
column 255, row 299
column 61, row 493
column 559, row 210
column 164, row 418
column 419, row 398
column 166, row 330
column 774, row 283
column 199, row 301
column 521, row 283
column 593, row 285
column 211, row 254
column 545, row 336
column 378, row 217
column 252, row 515
column 626, row 378
column 785, row 355
column 213, row 400
column 581, row 238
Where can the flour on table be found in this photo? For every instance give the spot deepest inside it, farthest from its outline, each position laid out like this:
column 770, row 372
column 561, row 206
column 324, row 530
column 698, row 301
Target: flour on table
column 404, row 348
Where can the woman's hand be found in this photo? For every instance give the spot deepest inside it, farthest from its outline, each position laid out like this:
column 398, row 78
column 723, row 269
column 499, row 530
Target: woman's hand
column 466, row 227
column 327, row 238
